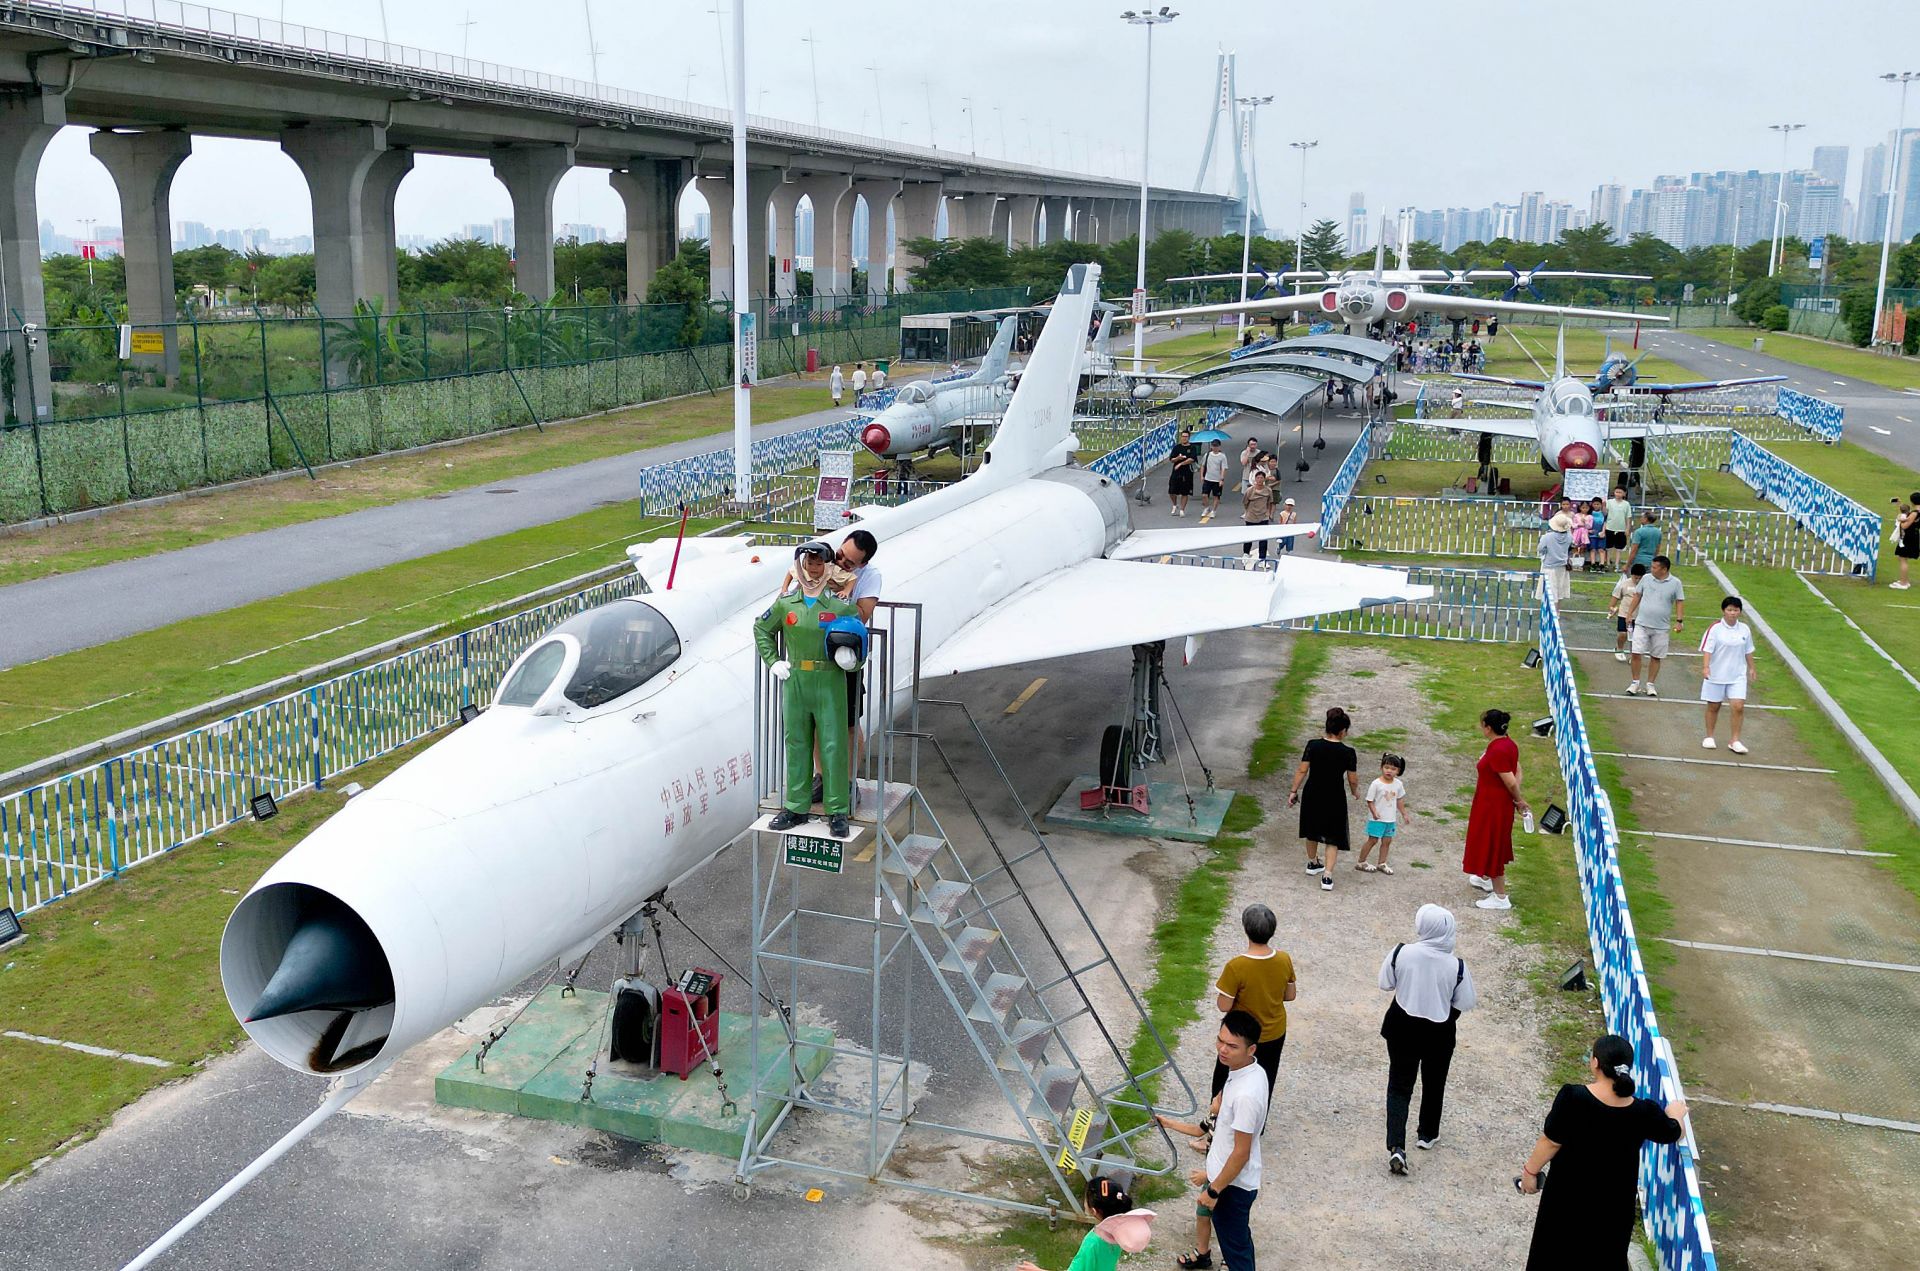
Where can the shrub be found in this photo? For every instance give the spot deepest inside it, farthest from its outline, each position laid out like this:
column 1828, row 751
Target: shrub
column 1776, row 317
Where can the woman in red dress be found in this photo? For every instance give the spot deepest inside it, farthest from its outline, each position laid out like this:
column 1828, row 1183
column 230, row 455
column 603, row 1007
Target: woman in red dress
column 1496, row 796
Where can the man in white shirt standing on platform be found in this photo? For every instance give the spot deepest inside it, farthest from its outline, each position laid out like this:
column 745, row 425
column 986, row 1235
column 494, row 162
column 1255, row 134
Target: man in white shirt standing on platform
column 1726, row 664
column 1231, row 1180
column 859, row 381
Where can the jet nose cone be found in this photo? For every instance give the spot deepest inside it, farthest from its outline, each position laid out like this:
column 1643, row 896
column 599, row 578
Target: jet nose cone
column 876, row 438
column 1578, row 454
column 332, row 961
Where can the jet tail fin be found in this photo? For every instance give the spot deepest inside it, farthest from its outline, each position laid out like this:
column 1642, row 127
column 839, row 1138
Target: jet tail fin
column 994, row 364
column 1038, row 426
column 1560, row 353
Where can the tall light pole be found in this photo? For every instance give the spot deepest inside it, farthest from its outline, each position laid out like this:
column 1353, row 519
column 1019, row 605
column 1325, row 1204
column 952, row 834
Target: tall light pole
column 932, row 141
column 1299, row 240
column 1148, row 19
column 1001, row 115
column 593, row 49
column 973, row 138
column 1902, row 78
column 1786, row 131
column 814, row 63
column 745, row 354
column 1246, row 215
column 879, row 109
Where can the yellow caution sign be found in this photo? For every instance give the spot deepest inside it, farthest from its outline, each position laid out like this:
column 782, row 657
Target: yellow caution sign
column 149, row 342
column 1076, row 1139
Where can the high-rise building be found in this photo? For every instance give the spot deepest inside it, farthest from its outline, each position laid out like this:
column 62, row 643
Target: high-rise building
column 478, row 233
column 191, row 234
column 1870, row 208
column 1531, row 224
column 1830, row 164
column 1906, row 195
column 703, row 228
column 1506, row 221
column 1819, row 211
column 503, row 231
column 1359, row 231
column 1607, row 207
column 1555, row 217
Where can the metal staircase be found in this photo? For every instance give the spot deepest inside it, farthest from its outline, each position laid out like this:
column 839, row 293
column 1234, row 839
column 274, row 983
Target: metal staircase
column 992, row 920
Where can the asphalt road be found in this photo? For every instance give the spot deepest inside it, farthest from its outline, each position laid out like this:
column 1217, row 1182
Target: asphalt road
column 1879, row 419
column 398, row 1182
column 49, row 616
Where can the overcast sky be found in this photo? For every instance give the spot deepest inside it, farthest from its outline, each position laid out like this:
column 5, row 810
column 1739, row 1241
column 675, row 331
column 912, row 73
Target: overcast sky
column 1413, row 103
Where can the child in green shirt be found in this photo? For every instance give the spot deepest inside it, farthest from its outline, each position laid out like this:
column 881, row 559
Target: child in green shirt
column 1121, row 1227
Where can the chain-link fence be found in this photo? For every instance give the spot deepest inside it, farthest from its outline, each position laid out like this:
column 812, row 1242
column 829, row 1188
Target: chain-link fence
column 198, row 403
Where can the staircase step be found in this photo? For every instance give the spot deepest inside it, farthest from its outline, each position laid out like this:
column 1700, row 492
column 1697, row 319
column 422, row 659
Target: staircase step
column 940, row 902
column 1026, row 1045
column 1057, row 1084
column 970, row 949
column 913, row 853
column 999, row 999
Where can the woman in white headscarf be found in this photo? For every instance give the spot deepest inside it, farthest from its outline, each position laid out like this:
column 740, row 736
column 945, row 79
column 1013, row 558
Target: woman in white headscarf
column 1430, row 987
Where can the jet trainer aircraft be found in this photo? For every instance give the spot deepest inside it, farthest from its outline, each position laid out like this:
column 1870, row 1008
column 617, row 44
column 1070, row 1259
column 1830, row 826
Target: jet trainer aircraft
column 534, row 831
column 1566, row 422
column 928, row 416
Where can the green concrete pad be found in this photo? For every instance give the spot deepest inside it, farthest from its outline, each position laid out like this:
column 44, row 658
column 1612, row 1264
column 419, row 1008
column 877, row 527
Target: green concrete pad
column 538, row 1068
column 1167, row 816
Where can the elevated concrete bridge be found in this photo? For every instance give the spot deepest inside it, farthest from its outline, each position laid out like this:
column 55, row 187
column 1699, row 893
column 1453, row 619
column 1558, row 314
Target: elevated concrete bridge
column 352, row 113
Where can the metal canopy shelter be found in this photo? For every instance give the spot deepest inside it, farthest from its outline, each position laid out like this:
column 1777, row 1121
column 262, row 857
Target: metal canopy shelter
column 1356, row 346
column 1271, row 394
column 1309, row 363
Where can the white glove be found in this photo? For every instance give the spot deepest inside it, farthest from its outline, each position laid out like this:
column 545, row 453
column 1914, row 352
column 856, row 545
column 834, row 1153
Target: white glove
column 781, row 670
column 846, row 659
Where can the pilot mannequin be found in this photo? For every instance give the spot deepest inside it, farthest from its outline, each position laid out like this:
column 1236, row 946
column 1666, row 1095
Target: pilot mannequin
column 813, row 688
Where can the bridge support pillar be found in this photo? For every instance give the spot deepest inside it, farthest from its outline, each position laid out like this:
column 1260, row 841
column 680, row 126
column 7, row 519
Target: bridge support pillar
column 717, row 189
column 531, row 174
column 970, row 215
column 915, row 215
column 832, row 198
column 650, row 189
column 1023, row 211
column 379, row 242
column 142, row 165
column 880, row 196
column 1055, row 210
column 785, row 207
column 335, row 158
column 27, row 123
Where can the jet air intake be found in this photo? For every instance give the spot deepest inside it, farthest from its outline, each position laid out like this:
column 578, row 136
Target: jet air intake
column 1578, row 454
column 876, row 438
column 307, row 977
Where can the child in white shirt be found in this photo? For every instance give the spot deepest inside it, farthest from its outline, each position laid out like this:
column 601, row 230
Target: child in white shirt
column 1386, row 795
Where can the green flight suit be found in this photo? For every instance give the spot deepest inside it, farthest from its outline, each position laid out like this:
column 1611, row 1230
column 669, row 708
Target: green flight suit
column 814, row 697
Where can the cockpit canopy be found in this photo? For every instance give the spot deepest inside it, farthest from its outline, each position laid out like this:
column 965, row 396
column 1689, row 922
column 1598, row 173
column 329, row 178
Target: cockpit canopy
column 1572, row 399
column 622, row 646
column 916, row 392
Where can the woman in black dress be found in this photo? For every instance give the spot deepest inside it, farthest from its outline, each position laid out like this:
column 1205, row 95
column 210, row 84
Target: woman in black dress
column 1323, row 806
column 1593, row 1137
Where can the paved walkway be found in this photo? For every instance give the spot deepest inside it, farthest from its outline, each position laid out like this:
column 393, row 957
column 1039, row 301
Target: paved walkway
column 1794, row 989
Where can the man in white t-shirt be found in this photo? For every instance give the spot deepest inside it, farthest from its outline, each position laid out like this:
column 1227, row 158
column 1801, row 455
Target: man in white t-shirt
column 1213, row 480
column 1726, row 664
column 859, row 381
column 1231, row 1179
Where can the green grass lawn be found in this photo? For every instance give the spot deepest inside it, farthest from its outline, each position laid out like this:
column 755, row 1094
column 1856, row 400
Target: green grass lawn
column 1586, row 349
column 1427, row 478
column 52, row 705
column 128, row 533
column 1822, row 355
column 131, row 965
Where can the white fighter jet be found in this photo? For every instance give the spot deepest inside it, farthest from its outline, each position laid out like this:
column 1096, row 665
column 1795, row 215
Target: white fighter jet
column 1565, row 420
column 928, row 416
column 616, row 758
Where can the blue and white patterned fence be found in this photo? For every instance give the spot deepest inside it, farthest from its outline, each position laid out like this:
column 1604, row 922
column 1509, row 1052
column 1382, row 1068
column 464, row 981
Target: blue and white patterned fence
column 1333, row 504
column 1830, row 516
column 1675, row 1217
column 73, row 831
column 707, row 478
column 1824, row 419
column 1137, row 456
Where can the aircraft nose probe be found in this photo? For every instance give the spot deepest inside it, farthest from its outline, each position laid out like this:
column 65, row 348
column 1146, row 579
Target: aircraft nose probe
column 331, row 961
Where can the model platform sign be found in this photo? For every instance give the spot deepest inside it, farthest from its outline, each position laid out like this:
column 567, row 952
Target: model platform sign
column 822, row 855
column 833, row 494
column 1581, row 484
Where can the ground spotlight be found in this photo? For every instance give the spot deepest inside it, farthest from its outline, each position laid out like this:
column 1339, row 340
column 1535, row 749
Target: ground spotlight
column 469, row 713
column 1543, row 727
column 1554, row 819
column 1531, row 660
column 10, row 929
column 263, row 807
column 1574, row 978
column 1379, row 478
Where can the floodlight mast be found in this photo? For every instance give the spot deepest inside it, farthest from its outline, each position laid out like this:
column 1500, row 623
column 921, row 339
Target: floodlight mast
column 742, row 300
column 1299, row 240
column 1777, row 248
column 1148, row 19
column 1902, row 78
column 1246, row 214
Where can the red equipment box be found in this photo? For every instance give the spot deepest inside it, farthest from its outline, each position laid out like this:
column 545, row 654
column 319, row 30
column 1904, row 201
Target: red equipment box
column 689, row 1017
